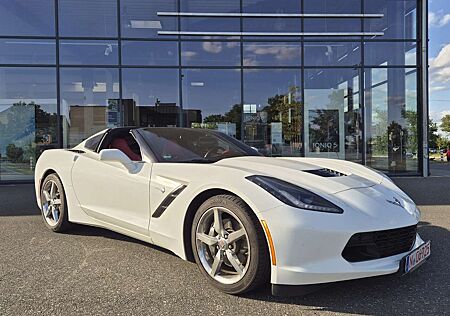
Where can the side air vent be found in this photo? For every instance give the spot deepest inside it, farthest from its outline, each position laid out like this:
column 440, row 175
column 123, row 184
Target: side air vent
column 167, row 201
column 327, row 173
column 78, row 151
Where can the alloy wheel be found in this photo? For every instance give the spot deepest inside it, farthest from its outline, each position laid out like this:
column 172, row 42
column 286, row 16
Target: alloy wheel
column 223, row 245
column 51, row 202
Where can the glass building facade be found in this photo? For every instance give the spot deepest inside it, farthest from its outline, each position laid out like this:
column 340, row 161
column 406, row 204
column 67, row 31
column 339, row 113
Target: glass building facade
column 339, row 79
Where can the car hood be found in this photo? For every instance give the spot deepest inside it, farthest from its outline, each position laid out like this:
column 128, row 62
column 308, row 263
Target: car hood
column 302, row 172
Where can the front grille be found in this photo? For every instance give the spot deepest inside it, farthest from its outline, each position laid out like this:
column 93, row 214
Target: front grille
column 379, row 244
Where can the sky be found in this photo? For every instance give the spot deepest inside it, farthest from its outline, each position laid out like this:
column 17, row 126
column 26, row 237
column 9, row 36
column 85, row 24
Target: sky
column 439, row 58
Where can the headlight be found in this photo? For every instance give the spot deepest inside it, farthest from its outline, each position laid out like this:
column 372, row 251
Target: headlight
column 295, row 196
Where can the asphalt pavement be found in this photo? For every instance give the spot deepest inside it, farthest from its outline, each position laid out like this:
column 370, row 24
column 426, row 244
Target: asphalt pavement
column 440, row 169
column 91, row 271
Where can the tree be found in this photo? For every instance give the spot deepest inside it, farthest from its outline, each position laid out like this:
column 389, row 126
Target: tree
column 15, row 154
column 445, row 125
column 433, row 134
column 441, row 142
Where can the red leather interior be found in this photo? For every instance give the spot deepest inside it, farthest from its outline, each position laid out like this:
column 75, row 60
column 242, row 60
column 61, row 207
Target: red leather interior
column 122, row 145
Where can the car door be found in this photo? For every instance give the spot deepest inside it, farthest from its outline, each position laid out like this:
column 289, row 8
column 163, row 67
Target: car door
column 109, row 192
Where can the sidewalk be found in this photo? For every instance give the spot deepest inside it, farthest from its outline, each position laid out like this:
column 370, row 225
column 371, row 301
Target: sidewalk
column 440, row 169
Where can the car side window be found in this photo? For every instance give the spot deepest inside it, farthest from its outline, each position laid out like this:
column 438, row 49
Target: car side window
column 93, row 142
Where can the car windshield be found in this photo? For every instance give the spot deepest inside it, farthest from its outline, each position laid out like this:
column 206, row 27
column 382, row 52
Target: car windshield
column 193, row 145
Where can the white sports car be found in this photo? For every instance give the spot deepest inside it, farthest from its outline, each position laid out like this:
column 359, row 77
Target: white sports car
column 244, row 218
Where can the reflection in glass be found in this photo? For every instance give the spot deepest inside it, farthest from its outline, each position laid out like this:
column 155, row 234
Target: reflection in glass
column 88, row 18
column 88, row 52
column 208, row 24
column 272, row 54
column 21, row 51
column 399, row 20
column 153, row 96
column 333, row 126
column 273, row 111
column 272, row 25
column 270, row 6
column 390, row 53
column 150, row 53
column 212, row 99
column 139, row 18
column 27, row 119
column 27, row 17
column 332, row 6
column 391, row 107
column 89, row 102
column 216, row 6
column 209, row 53
column 332, row 53
column 339, row 25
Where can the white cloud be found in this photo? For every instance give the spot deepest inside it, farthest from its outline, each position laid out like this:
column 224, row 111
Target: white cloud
column 440, row 70
column 212, row 47
column 438, row 88
column 438, row 19
column 188, row 54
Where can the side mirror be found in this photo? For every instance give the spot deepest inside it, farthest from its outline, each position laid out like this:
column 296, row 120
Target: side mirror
column 116, row 155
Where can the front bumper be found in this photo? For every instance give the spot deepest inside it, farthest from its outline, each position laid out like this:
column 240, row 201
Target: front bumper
column 308, row 247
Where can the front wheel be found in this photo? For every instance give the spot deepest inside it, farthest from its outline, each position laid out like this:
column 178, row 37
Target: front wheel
column 53, row 204
column 229, row 246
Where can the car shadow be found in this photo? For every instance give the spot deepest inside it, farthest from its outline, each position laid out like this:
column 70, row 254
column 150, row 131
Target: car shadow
column 91, row 231
column 425, row 290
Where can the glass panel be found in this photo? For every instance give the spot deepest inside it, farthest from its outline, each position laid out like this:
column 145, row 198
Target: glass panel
column 333, row 125
column 340, row 25
column 208, row 24
column 272, row 25
column 27, row 119
column 153, row 93
column 212, row 99
column 390, row 53
column 391, row 107
column 332, row 6
column 88, row 18
column 87, row 52
column 89, row 102
column 399, row 21
column 273, row 111
column 332, row 54
column 272, row 54
column 210, row 53
column 214, row 6
column 333, row 25
column 270, row 6
column 139, row 17
column 27, row 17
column 19, row 51
column 150, row 53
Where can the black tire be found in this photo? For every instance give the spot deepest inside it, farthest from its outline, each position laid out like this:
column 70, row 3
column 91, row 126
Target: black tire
column 62, row 224
column 258, row 271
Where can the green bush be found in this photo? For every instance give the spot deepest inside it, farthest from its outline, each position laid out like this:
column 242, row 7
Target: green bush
column 15, row 154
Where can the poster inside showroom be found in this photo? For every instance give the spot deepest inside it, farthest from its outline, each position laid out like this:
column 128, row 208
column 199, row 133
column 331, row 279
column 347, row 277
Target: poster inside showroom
column 323, row 131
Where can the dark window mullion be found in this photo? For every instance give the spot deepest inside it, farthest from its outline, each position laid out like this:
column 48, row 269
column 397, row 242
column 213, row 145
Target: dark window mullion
column 59, row 127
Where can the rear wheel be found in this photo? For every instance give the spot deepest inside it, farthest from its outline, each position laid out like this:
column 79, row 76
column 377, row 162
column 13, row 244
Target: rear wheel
column 229, row 245
column 53, row 204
